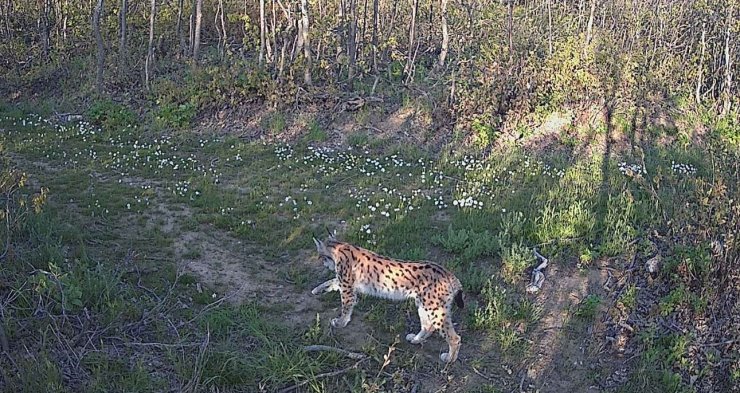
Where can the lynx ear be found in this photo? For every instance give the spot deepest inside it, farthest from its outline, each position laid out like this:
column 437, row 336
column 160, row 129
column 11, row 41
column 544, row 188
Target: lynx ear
column 319, row 244
column 333, row 235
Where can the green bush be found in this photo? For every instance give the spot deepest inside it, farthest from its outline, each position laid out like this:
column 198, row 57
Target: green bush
column 177, row 116
column 111, row 116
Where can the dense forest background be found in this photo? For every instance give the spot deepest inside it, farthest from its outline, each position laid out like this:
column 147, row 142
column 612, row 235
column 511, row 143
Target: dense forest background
column 489, row 64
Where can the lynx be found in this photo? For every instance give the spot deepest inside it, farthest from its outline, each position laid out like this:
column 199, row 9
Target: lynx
column 360, row 271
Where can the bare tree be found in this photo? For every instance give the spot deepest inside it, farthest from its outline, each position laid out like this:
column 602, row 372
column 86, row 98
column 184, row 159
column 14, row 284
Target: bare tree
column 178, row 29
column 122, row 36
column 150, row 47
column 218, row 21
column 549, row 27
column 445, row 35
column 510, row 28
column 409, row 69
column 100, row 53
column 728, row 62
column 306, row 42
column 44, row 27
column 589, row 27
column 197, row 26
column 262, row 32
column 7, row 14
column 352, row 41
column 375, row 35
column 700, row 73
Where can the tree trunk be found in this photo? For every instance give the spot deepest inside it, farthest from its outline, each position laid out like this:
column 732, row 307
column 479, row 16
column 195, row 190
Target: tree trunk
column 700, row 74
column 728, row 64
column 306, row 42
column 196, row 34
column 262, row 32
column 7, row 14
column 445, row 35
column 409, row 69
column 218, row 21
column 352, row 41
column 549, row 27
column 272, row 53
column 64, row 21
column 100, row 53
column 375, row 36
column 510, row 22
column 178, row 29
column 44, row 28
column 122, row 37
column 148, row 63
column 590, row 26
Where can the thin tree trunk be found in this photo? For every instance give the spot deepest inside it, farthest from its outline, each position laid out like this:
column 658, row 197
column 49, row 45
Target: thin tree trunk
column 549, row 27
column 361, row 40
column 700, row 74
column 44, row 28
column 7, row 15
column 65, row 18
column 100, row 52
column 728, row 64
column 306, row 42
column 412, row 38
column 223, row 26
column 375, row 36
column 510, row 22
column 191, row 30
column 148, row 63
column 122, row 37
column 590, row 26
column 262, row 32
column 178, row 29
column 219, row 33
column 273, row 31
column 352, row 41
column 445, row 35
column 196, row 34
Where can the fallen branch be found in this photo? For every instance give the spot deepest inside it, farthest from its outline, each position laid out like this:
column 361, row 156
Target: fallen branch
column 324, row 375
column 343, row 352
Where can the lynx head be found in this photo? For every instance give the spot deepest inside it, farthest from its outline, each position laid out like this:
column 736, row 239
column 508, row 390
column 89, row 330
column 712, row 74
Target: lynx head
column 325, row 253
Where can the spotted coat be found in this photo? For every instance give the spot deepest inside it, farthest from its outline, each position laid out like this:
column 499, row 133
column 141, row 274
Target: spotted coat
column 360, row 271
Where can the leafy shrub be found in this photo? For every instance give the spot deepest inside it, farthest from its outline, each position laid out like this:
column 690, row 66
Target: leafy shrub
column 467, row 243
column 110, row 115
column 515, row 260
column 178, row 116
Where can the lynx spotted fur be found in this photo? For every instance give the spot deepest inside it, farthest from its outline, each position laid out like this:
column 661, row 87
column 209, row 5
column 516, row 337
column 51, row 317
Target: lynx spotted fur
column 360, row 271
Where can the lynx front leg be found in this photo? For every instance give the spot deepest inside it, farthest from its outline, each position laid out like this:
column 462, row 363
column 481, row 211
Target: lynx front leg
column 349, row 299
column 326, row 286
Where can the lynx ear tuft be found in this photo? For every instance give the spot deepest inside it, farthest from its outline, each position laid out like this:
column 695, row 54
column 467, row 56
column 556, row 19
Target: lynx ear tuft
column 319, row 244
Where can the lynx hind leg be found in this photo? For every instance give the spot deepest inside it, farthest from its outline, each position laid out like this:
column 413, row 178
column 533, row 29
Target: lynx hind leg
column 453, row 341
column 427, row 327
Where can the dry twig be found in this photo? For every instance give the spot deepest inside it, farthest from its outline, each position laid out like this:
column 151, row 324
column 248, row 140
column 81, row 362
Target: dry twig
column 343, row 352
column 323, row 375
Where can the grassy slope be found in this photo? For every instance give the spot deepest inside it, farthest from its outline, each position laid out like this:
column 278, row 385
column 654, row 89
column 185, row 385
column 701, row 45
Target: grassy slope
column 129, row 317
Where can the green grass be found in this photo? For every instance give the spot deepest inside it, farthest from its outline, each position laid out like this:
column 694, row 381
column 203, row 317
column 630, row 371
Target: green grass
column 123, row 188
column 588, row 307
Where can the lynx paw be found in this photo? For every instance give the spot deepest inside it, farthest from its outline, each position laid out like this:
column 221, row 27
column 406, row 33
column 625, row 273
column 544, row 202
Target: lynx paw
column 339, row 322
column 445, row 357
